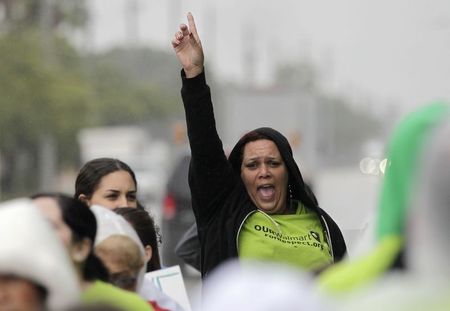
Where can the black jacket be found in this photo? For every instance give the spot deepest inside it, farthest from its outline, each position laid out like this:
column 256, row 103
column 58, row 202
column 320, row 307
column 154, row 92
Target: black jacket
column 219, row 197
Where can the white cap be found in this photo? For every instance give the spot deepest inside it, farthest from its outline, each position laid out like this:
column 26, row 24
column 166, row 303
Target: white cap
column 29, row 248
column 109, row 223
column 259, row 286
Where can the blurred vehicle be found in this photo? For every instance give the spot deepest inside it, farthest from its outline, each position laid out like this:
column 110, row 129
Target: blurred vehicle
column 177, row 215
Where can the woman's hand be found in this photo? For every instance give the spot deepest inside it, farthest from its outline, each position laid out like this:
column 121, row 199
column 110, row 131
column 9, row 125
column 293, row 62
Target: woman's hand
column 188, row 48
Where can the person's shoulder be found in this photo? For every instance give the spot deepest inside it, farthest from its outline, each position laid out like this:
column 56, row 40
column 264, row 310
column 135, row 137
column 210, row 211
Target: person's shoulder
column 104, row 292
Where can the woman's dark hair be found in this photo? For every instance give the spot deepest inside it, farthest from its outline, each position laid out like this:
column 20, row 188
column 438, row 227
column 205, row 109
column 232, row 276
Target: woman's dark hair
column 42, row 293
column 247, row 138
column 81, row 221
column 298, row 187
column 147, row 231
column 92, row 172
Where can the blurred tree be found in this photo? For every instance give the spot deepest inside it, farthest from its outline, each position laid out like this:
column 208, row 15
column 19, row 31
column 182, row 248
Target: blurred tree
column 37, row 99
column 50, row 90
column 25, row 14
column 129, row 86
column 142, row 65
column 41, row 85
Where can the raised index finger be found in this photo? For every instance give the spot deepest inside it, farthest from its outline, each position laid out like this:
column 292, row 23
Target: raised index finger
column 192, row 26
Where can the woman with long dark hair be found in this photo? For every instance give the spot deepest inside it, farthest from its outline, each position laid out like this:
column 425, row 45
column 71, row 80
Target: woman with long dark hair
column 253, row 204
column 108, row 182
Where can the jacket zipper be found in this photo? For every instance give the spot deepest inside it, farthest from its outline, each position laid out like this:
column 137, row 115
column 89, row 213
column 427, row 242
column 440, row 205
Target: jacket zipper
column 327, row 234
column 245, row 218
column 239, row 231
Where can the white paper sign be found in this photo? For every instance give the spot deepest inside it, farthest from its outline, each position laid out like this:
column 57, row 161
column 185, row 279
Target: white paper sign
column 170, row 281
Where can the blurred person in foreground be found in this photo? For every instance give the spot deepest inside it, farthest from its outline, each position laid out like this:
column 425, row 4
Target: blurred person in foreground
column 110, row 225
column 76, row 225
column 121, row 249
column 148, row 233
column 253, row 205
column 274, row 287
column 123, row 259
column 35, row 270
column 406, row 147
column 425, row 285
column 147, row 230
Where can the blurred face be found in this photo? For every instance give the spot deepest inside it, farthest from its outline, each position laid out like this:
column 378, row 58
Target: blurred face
column 265, row 176
column 19, row 294
column 119, row 275
column 116, row 189
column 50, row 210
column 123, row 259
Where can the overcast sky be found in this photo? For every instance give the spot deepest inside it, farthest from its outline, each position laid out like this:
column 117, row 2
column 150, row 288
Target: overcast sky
column 394, row 51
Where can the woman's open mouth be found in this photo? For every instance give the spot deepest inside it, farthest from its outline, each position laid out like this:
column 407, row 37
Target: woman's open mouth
column 266, row 192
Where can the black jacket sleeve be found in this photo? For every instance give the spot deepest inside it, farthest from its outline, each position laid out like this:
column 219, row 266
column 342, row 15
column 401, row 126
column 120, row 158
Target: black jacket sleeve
column 210, row 176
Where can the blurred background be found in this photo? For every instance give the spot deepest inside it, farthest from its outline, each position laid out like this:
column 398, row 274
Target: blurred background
column 83, row 79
